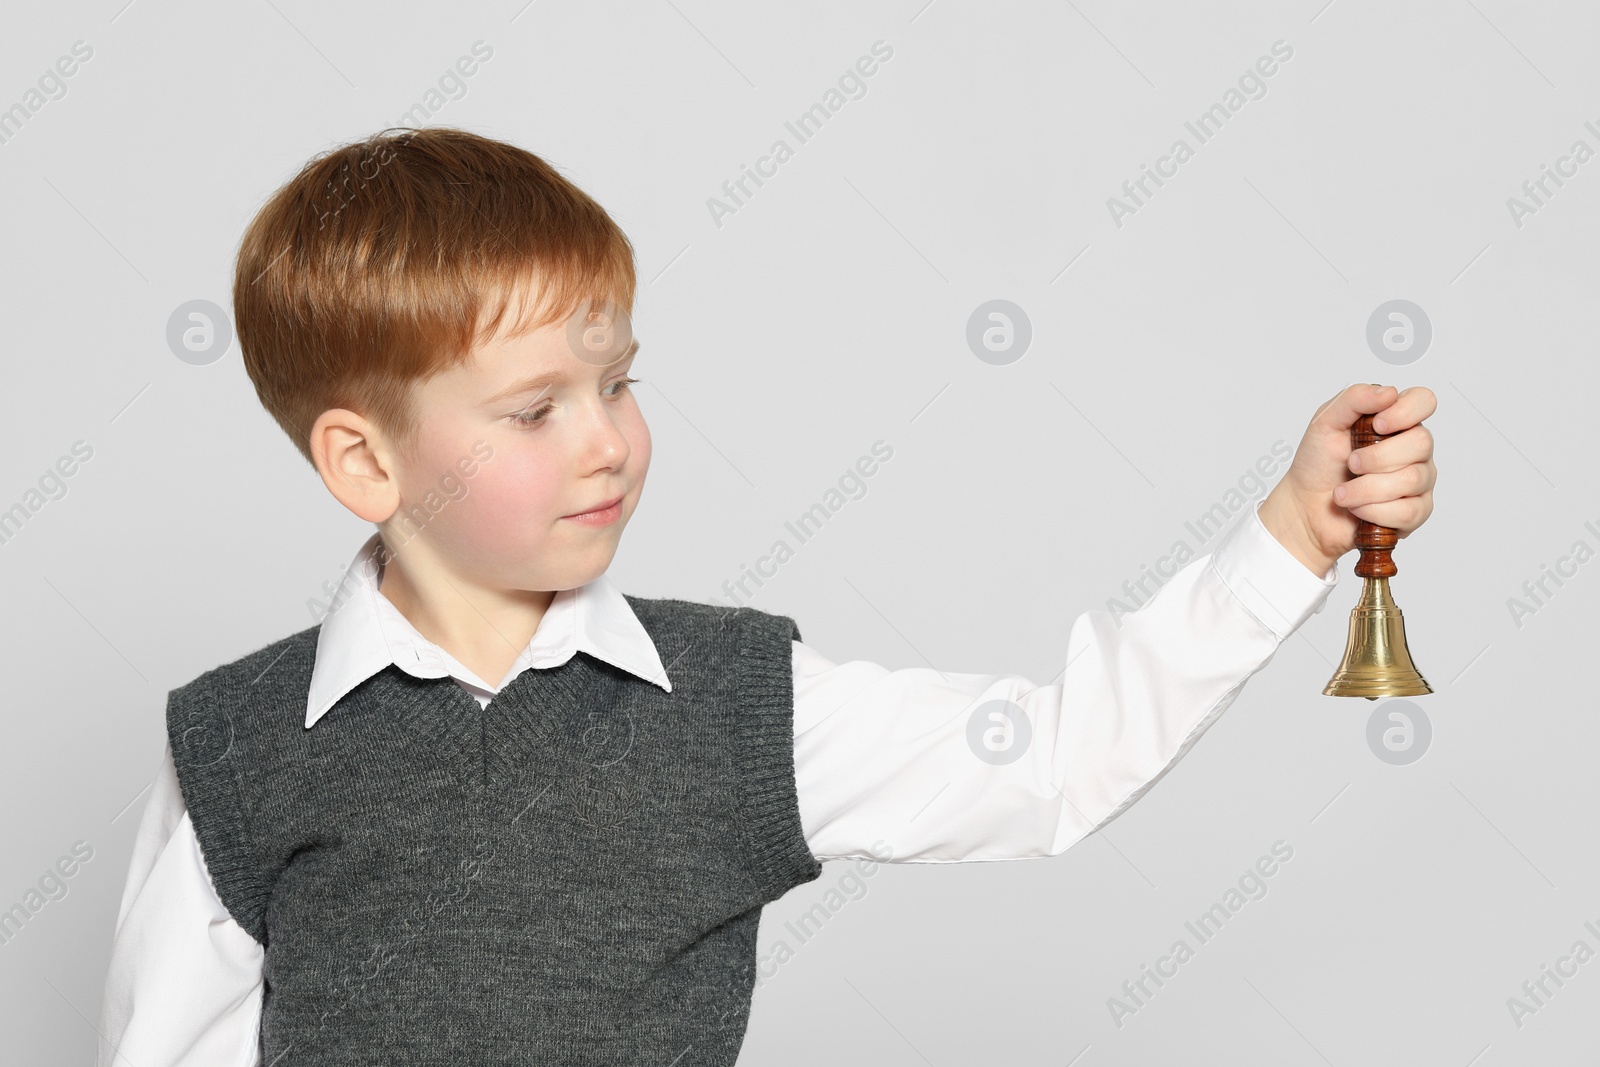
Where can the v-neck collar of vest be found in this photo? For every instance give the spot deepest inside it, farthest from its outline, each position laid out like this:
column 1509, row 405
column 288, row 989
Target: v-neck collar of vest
column 530, row 720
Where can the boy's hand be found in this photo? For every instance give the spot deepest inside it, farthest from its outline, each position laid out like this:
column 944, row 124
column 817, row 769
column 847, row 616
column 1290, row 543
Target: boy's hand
column 1314, row 510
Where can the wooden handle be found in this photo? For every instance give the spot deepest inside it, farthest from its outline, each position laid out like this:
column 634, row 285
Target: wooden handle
column 1375, row 542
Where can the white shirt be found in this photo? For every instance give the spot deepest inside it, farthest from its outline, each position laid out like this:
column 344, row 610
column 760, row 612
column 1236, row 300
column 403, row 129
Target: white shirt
column 880, row 754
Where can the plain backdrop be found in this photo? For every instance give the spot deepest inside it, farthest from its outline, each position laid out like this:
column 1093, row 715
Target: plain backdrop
column 1170, row 349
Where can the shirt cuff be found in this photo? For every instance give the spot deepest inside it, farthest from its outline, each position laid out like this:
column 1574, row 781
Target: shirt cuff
column 1279, row 590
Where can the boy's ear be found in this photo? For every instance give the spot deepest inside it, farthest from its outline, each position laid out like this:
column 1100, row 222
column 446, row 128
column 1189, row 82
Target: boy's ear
column 355, row 463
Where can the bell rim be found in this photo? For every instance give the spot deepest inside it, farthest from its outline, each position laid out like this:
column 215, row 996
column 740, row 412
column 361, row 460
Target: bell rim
column 1400, row 684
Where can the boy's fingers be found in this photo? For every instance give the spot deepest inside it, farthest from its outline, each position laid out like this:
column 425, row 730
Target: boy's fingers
column 1403, row 515
column 1411, row 407
column 1409, row 446
column 1356, row 400
column 1382, row 488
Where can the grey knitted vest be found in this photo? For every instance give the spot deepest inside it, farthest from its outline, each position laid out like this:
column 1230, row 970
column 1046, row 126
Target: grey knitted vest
column 572, row 875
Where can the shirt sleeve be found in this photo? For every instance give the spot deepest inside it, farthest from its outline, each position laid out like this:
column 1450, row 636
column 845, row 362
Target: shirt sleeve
column 923, row 766
column 184, row 985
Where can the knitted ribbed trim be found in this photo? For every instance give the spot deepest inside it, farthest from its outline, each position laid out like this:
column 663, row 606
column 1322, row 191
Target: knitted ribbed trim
column 485, row 746
column 205, row 757
column 764, row 753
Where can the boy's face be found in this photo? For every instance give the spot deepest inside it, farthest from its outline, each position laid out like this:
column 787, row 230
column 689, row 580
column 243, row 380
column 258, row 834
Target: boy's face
column 558, row 449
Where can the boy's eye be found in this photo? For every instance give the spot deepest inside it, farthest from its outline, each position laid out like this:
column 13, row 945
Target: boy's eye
column 531, row 418
column 525, row 418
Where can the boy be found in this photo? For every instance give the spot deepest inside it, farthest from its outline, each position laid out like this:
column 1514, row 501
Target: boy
column 492, row 810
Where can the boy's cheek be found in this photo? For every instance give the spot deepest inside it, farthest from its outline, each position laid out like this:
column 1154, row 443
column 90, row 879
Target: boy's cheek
column 640, row 443
column 510, row 499
column 489, row 528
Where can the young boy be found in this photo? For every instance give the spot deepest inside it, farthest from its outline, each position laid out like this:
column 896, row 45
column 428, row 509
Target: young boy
column 492, row 810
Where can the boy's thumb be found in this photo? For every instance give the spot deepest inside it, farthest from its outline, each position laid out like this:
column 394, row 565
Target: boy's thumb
column 1361, row 398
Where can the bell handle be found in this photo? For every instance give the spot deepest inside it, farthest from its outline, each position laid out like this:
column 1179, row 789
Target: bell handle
column 1375, row 542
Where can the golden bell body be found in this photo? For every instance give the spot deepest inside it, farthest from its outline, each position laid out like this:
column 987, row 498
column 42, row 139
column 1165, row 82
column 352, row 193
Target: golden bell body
column 1377, row 662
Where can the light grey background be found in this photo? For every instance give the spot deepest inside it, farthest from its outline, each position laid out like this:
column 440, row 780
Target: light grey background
column 1168, row 355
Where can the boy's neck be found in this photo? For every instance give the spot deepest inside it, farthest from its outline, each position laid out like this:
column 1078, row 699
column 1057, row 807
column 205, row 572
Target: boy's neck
column 485, row 629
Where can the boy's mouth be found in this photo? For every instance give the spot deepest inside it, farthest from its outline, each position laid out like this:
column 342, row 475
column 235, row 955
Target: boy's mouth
column 601, row 514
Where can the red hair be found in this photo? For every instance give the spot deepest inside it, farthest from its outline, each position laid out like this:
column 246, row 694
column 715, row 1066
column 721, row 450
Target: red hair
column 386, row 260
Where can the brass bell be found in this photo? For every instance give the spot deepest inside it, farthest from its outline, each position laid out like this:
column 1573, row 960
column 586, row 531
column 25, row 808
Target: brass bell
column 1377, row 662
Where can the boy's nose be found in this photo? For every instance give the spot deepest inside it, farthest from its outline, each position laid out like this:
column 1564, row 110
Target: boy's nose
column 607, row 444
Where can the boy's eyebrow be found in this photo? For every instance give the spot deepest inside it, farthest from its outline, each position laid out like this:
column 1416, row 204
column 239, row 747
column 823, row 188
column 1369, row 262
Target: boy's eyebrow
column 539, row 382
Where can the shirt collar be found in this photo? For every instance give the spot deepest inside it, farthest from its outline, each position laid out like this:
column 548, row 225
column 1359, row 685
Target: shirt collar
column 364, row 632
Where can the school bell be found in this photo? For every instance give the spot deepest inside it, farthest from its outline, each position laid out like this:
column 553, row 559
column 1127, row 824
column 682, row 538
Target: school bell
column 1376, row 660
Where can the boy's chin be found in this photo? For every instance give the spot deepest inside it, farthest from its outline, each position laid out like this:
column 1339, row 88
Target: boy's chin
column 579, row 569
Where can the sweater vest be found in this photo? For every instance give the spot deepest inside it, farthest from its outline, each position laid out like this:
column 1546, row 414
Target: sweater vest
column 573, row 874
